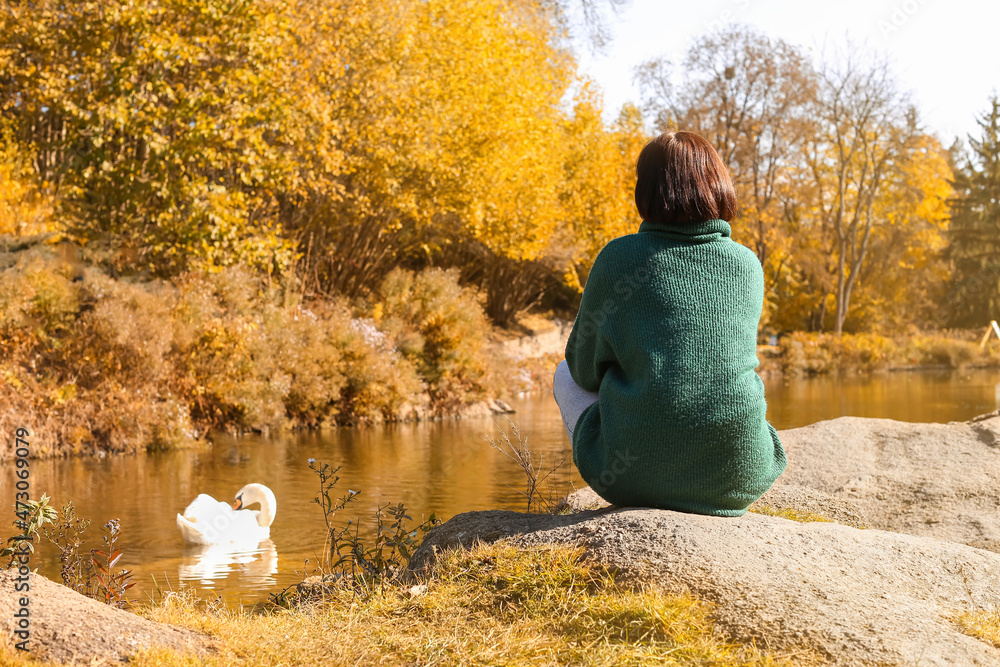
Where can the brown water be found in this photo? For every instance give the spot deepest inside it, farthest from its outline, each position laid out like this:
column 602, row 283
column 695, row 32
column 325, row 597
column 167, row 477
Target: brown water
column 442, row 467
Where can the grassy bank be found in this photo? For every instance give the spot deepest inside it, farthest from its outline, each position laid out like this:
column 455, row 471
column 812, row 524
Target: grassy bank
column 90, row 362
column 803, row 353
column 493, row 605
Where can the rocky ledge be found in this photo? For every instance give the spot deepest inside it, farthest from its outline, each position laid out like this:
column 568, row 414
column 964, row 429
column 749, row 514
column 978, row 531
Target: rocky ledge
column 935, row 480
column 67, row 627
column 855, row 596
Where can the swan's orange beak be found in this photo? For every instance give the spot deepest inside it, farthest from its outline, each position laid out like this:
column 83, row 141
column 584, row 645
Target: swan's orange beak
column 238, row 503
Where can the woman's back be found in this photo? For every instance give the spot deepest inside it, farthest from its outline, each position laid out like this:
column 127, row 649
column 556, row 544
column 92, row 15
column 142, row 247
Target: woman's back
column 667, row 333
column 665, row 347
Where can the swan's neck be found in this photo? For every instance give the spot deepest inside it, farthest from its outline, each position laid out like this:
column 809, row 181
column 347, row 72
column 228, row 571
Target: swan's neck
column 258, row 493
column 265, row 517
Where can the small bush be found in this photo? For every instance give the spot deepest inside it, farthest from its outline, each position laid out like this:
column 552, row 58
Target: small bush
column 805, row 354
column 941, row 351
column 92, row 574
column 380, row 379
column 301, row 354
column 123, row 333
column 363, row 565
column 37, row 295
column 441, row 328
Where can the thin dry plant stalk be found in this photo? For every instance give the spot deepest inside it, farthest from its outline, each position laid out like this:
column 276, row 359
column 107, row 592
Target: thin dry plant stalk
column 512, row 444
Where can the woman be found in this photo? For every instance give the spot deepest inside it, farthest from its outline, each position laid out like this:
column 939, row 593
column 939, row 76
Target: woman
column 658, row 390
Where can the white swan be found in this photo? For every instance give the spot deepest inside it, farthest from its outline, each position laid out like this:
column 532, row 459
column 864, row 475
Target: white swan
column 210, row 521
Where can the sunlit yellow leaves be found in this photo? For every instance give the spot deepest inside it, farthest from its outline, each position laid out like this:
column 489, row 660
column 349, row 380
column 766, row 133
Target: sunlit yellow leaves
column 352, row 134
column 598, row 181
column 133, row 106
column 907, row 269
column 25, row 206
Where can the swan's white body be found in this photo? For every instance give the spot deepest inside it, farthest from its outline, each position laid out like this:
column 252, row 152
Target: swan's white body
column 210, row 521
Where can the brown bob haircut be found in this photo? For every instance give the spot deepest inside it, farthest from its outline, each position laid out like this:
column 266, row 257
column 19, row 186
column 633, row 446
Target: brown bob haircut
column 681, row 179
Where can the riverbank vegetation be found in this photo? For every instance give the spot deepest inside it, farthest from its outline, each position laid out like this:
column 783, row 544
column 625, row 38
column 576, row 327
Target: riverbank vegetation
column 803, row 353
column 298, row 213
column 121, row 365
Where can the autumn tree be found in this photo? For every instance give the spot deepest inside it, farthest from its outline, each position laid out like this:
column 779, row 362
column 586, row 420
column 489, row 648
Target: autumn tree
column 502, row 143
column 450, row 126
column 750, row 95
column 904, row 279
column 597, row 193
column 974, row 238
column 863, row 127
column 843, row 195
column 166, row 129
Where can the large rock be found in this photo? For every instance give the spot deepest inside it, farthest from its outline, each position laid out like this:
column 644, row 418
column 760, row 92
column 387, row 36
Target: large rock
column 860, row 597
column 67, row 627
column 938, row 480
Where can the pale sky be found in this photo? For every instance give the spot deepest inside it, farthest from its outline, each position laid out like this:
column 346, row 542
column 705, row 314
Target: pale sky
column 945, row 53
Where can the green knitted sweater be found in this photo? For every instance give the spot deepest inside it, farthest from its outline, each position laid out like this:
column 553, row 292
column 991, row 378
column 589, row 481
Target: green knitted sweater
column 667, row 334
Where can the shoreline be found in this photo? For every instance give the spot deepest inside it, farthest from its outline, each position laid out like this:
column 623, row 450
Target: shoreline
column 531, row 356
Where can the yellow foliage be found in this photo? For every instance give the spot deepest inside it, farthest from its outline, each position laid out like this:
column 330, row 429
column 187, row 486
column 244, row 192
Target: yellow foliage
column 598, row 180
column 338, row 139
column 166, row 126
column 448, row 107
column 25, row 208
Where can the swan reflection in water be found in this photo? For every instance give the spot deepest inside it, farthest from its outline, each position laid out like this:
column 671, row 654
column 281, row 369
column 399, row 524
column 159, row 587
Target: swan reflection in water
column 253, row 565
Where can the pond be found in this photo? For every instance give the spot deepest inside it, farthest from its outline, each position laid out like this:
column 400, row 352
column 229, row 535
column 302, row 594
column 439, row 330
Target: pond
column 444, row 467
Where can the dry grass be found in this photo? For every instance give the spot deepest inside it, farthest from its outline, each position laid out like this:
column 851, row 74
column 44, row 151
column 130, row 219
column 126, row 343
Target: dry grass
column 11, row 657
column 983, row 625
column 492, row 605
column 789, row 513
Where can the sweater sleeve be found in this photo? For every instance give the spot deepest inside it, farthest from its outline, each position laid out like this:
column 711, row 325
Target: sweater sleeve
column 588, row 351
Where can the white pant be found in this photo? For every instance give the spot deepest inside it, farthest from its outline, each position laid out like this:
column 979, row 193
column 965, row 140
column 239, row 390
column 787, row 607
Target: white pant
column 571, row 398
